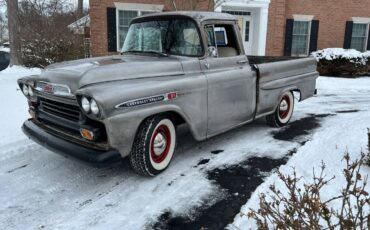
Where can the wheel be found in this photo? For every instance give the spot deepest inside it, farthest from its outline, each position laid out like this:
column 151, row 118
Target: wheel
column 283, row 112
column 154, row 146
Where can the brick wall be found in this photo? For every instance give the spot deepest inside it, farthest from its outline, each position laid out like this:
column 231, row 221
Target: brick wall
column 332, row 15
column 98, row 16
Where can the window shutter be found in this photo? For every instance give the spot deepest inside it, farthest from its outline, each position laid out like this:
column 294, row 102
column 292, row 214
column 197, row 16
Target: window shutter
column 348, row 35
column 314, row 36
column 368, row 41
column 112, row 29
column 288, row 37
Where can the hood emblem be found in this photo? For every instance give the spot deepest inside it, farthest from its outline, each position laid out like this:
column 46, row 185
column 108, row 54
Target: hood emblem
column 53, row 88
column 48, row 88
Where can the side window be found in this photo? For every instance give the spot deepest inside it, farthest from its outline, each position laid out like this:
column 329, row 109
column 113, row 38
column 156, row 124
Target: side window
column 222, row 41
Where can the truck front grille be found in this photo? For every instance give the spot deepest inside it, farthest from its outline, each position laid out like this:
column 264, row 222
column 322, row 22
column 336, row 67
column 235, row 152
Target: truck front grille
column 59, row 109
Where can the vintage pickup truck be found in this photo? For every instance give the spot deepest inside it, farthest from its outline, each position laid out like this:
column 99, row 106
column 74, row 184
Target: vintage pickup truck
column 175, row 68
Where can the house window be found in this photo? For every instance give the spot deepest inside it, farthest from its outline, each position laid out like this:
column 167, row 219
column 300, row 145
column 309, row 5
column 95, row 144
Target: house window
column 124, row 18
column 359, row 36
column 300, row 38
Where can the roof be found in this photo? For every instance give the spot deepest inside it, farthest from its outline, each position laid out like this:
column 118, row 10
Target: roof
column 199, row 16
column 82, row 22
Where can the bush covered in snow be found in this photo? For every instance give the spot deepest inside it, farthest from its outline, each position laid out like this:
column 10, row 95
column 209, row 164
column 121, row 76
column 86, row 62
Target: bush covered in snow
column 43, row 52
column 300, row 206
column 342, row 62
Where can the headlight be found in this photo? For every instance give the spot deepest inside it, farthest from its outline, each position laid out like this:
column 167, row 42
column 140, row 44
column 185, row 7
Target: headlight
column 94, row 107
column 85, row 103
column 30, row 91
column 25, row 90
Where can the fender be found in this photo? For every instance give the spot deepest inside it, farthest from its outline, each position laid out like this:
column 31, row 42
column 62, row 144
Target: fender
column 122, row 128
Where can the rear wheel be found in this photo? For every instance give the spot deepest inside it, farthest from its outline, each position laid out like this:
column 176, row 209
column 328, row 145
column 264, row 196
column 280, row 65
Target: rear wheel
column 283, row 112
column 154, row 146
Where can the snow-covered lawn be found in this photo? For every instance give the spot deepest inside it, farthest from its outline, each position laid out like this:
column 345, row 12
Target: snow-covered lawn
column 40, row 189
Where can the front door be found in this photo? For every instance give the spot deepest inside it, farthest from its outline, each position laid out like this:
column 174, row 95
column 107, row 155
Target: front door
column 231, row 81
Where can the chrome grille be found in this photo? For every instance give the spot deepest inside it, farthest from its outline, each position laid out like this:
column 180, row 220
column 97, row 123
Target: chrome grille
column 60, row 109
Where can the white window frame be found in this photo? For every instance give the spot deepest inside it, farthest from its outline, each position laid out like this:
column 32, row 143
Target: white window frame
column 308, row 38
column 362, row 20
column 133, row 7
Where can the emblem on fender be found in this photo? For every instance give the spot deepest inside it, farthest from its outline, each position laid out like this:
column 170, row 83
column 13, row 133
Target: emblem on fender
column 148, row 100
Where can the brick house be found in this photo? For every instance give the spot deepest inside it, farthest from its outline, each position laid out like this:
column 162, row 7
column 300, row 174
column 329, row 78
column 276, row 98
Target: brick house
column 268, row 27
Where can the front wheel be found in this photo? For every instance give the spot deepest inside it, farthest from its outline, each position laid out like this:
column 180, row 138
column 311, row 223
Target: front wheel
column 283, row 112
column 154, row 146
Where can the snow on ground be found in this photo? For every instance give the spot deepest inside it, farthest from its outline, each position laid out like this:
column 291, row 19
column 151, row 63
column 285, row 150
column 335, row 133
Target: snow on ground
column 338, row 134
column 12, row 104
column 40, row 189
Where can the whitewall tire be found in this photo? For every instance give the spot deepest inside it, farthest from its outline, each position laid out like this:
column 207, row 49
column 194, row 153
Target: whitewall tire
column 283, row 112
column 154, row 146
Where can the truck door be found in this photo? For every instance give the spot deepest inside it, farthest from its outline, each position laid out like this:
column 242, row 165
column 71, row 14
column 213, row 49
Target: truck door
column 231, row 81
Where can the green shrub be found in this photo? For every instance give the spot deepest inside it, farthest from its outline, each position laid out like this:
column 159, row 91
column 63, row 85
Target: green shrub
column 341, row 62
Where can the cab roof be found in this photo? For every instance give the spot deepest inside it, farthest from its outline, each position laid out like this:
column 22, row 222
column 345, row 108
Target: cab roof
column 198, row 16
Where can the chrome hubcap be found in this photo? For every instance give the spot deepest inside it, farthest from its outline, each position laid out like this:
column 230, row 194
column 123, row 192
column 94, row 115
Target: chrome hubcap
column 283, row 106
column 160, row 144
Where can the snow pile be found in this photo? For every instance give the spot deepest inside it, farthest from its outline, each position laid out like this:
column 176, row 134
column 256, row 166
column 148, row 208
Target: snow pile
column 4, row 49
column 331, row 54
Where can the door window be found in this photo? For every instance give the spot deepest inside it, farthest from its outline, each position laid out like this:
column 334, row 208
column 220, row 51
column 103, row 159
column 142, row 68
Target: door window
column 222, row 41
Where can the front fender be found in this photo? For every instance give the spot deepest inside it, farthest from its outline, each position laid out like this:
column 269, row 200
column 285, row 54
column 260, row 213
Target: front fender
column 121, row 128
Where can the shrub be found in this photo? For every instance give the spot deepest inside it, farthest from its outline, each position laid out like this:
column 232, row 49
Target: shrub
column 303, row 207
column 341, row 62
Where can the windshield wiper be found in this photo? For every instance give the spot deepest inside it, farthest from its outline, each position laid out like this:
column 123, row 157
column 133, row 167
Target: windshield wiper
column 149, row 52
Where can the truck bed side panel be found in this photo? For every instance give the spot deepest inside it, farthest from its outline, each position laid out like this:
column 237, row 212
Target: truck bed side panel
column 279, row 77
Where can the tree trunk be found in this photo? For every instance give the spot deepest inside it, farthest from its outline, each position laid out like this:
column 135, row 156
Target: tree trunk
column 14, row 33
column 80, row 7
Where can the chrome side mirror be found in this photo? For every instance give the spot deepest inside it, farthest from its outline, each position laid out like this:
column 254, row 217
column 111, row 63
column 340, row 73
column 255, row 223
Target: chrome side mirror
column 212, row 51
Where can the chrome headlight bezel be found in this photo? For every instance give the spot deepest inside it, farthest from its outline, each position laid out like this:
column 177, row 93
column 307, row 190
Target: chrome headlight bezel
column 85, row 104
column 94, row 108
column 25, row 89
column 30, row 91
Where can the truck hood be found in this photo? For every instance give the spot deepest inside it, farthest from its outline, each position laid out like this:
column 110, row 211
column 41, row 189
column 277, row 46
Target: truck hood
column 79, row 73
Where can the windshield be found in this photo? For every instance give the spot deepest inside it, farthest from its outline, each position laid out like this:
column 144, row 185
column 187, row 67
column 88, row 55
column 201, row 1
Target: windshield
column 177, row 37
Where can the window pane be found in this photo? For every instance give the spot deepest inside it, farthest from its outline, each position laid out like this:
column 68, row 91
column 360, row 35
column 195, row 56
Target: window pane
column 247, row 25
column 359, row 34
column 300, row 38
column 124, row 18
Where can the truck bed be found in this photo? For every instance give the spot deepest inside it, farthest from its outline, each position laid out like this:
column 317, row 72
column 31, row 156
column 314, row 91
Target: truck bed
column 276, row 75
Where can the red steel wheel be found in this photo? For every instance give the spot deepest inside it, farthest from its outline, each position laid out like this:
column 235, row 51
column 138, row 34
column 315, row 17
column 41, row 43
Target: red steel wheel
column 154, row 146
column 283, row 112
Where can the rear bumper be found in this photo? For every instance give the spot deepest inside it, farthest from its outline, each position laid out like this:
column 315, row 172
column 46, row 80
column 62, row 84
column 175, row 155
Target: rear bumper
column 67, row 148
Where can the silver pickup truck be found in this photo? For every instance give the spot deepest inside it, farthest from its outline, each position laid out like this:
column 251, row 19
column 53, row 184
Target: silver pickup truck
column 175, row 68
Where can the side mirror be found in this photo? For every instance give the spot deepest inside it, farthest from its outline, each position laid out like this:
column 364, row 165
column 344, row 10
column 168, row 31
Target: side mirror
column 212, row 51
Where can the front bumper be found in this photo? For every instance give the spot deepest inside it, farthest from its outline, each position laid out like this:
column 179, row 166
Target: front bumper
column 67, row 148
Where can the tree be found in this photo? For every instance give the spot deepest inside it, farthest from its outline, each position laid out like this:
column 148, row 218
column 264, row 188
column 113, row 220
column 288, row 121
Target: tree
column 80, row 7
column 14, row 32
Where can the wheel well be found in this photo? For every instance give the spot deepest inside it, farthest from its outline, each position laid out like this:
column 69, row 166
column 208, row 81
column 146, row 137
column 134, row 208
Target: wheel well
column 176, row 118
column 297, row 94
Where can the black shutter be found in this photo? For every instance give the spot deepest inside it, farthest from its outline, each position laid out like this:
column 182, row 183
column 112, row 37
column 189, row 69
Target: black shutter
column 288, row 37
column 368, row 41
column 314, row 35
column 348, row 35
column 112, row 29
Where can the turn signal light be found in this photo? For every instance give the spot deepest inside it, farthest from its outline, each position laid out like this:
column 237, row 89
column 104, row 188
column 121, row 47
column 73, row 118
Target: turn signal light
column 87, row 134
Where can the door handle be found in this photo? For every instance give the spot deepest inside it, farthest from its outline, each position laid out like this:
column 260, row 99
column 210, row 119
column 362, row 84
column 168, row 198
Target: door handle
column 242, row 62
